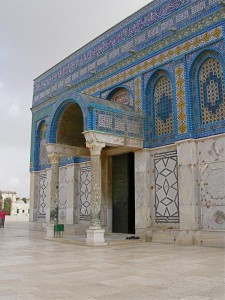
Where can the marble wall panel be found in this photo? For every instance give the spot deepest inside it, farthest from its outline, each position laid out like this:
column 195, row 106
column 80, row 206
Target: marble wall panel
column 72, row 194
column 212, row 149
column 143, row 205
column 62, row 194
column 213, row 217
column 188, row 184
column 33, row 196
column 48, row 195
column 187, row 153
column 212, row 181
column 42, row 186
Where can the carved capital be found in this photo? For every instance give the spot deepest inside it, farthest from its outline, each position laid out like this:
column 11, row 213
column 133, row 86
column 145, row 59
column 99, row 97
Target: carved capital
column 53, row 158
column 95, row 147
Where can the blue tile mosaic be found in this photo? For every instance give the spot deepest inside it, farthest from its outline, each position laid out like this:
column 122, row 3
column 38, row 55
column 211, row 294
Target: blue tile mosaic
column 178, row 42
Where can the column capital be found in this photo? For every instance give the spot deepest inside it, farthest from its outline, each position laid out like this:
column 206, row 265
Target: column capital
column 54, row 157
column 95, row 147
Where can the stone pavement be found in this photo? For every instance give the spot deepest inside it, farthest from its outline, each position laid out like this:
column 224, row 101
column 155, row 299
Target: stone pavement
column 32, row 268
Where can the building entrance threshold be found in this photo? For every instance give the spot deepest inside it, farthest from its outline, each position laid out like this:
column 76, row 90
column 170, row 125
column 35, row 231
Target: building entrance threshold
column 110, row 239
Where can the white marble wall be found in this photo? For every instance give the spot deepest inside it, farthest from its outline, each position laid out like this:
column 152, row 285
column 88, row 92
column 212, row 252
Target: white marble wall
column 48, row 195
column 212, row 181
column 201, row 185
column 143, row 188
column 72, row 194
column 201, row 181
column 188, row 185
column 33, row 196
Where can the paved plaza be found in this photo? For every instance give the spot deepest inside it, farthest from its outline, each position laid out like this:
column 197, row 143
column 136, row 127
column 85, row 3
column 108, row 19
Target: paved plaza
column 32, row 268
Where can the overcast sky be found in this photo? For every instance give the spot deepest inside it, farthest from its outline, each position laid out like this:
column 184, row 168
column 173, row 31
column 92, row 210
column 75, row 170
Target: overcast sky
column 34, row 36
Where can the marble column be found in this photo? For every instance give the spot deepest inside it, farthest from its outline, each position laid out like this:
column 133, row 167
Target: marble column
column 95, row 234
column 54, row 187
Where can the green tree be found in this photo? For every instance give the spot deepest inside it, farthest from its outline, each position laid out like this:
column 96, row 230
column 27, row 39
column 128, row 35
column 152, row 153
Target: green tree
column 24, row 200
column 8, row 205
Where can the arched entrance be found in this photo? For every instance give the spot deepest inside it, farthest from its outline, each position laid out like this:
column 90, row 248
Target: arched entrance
column 86, row 126
column 71, row 126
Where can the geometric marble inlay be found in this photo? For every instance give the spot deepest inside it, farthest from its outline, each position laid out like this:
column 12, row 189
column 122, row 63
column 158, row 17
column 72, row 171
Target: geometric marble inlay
column 85, row 193
column 166, row 188
column 62, row 194
column 42, row 184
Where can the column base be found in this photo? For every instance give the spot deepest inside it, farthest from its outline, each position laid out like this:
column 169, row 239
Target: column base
column 95, row 237
column 50, row 231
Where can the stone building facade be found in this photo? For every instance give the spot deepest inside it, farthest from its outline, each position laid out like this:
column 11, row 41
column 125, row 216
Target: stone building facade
column 19, row 208
column 128, row 133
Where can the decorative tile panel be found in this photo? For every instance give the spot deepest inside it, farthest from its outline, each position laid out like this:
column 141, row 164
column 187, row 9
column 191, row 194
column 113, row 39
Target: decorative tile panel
column 159, row 59
column 166, row 188
column 137, row 31
column 42, row 185
column 85, row 192
column 198, row 25
column 119, row 124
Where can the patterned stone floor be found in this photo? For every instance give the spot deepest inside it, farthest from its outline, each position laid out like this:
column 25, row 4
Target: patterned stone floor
column 32, row 268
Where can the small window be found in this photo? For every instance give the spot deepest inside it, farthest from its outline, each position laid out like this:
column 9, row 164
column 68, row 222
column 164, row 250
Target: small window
column 17, row 211
column 23, row 211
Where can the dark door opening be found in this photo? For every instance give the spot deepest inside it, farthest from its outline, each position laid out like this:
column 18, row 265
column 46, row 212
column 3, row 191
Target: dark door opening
column 123, row 193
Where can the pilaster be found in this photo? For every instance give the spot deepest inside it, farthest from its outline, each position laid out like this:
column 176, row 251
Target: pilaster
column 188, row 185
column 33, row 196
column 142, row 191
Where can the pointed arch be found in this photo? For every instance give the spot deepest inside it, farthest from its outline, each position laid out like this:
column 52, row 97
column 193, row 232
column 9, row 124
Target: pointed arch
column 208, row 93
column 160, row 109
